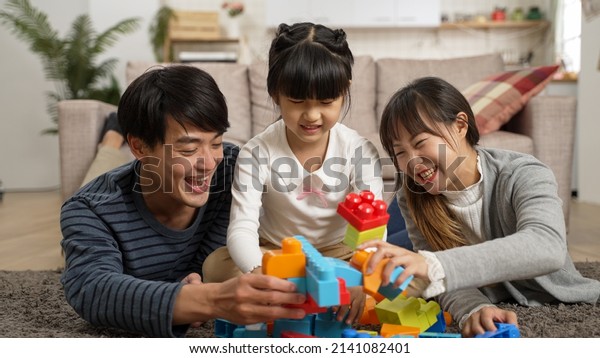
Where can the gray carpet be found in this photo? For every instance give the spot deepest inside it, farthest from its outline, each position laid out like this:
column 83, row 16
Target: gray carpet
column 32, row 305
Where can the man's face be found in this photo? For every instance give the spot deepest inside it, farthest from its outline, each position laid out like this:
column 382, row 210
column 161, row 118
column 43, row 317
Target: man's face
column 178, row 173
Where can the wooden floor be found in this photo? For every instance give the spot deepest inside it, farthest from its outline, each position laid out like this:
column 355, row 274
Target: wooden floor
column 30, row 233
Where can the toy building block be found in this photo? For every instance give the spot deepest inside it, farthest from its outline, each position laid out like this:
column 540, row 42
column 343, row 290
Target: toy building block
column 389, row 291
column 369, row 316
column 351, row 276
column 410, row 311
column 224, row 328
column 372, row 281
column 363, row 212
column 305, row 325
column 287, row 262
column 327, row 325
column 309, row 306
column 292, row 334
column 344, row 293
column 251, row 331
column 388, row 330
column 504, row 330
column 300, row 283
column 354, row 238
column 321, row 281
column 447, row 318
column 439, row 335
column 440, row 325
column 352, row 333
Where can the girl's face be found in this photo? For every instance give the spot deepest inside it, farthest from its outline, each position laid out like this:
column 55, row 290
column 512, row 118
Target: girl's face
column 308, row 121
column 435, row 164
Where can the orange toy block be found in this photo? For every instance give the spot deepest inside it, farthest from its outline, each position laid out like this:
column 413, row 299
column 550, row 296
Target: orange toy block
column 447, row 318
column 371, row 282
column 388, row 330
column 288, row 262
column 369, row 316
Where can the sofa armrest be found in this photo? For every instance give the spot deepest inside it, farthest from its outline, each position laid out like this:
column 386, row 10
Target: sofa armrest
column 550, row 122
column 79, row 126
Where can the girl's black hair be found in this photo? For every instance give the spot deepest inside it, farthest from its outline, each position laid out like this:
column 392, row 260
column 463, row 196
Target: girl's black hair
column 186, row 93
column 308, row 61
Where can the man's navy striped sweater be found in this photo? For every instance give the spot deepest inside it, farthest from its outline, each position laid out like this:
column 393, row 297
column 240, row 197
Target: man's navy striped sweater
column 123, row 268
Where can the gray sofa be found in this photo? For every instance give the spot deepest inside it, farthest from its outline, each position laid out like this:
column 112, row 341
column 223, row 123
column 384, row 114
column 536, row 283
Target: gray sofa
column 544, row 128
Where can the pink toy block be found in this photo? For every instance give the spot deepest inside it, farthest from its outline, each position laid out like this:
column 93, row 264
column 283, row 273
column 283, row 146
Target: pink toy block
column 364, row 212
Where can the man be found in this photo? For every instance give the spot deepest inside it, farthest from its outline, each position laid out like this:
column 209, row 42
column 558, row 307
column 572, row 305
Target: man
column 136, row 237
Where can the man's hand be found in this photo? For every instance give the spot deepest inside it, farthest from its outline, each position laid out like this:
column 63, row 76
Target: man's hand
column 483, row 320
column 254, row 298
column 243, row 300
column 193, row 279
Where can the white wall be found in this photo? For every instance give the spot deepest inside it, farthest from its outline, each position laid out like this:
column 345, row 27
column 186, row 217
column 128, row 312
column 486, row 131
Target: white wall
column 28, row 159
column 588, row 126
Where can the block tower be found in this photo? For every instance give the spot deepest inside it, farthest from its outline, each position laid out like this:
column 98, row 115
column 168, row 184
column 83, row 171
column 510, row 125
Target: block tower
column 367, row 218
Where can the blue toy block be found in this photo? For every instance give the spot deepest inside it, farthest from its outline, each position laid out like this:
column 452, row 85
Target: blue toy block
column 504, row 330
column 439, row 335
column 329, row 328
column 440, row 325
column 352, row 276
column 352, row 333
column 321, row 281
column 300, row 283
column 224, row 328
column 251, row 331
column 304, row 326
column 389, row 291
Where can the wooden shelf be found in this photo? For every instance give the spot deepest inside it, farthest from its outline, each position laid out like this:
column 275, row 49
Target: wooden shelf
column 525, row 24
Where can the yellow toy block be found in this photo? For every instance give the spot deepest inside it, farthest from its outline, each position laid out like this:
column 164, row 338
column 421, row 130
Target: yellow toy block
column 288, row 262
column 353, row 237
column 414, row 312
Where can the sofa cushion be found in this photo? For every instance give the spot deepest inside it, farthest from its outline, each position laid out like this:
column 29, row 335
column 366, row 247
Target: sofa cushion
column 395, row 73
column 232, row 80
column 507, row 140
column 263, row 109
column 497, row 98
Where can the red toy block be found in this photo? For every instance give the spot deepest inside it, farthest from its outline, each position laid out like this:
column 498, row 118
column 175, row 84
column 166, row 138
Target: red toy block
column 363, row 212
column 288, row 262
column 292, row 334
column 309, row 306
column 344, row 293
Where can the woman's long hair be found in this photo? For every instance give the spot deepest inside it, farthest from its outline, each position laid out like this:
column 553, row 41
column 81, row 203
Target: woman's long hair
column 439, row 102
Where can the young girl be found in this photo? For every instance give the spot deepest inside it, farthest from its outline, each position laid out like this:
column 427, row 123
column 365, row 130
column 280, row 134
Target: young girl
column 487, row 223
column 290, row 178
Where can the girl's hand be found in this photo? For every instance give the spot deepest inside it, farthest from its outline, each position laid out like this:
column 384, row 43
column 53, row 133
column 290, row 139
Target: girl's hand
column 413, row 263
column 355, row 309
column 483, row 320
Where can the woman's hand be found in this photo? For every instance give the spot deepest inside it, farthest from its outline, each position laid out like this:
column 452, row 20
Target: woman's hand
column 483, row 320
column 413, row 263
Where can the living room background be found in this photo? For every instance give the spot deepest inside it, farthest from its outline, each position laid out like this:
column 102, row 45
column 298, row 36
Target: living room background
column 29, row 161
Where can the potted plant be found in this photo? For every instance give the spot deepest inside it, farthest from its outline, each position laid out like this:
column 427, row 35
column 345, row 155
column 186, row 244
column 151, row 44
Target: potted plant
column 159, row 28
column 71, row 63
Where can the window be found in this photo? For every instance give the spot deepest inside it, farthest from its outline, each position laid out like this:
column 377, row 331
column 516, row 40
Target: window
column 568, row 34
